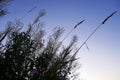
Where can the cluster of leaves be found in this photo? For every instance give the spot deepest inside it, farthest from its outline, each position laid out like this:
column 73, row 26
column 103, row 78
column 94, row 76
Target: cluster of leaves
column 26, row 55
column 3, row 7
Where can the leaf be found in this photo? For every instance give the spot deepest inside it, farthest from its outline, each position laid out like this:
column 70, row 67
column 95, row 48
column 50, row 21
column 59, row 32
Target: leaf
column 87, row 46
column 79, row 24
column 108, row 17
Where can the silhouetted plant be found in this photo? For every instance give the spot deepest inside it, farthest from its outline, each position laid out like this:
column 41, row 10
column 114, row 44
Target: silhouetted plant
column 3, row 7
column 26, row 55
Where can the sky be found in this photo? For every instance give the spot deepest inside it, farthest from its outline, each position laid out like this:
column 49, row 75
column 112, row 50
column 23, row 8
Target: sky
column 102, row 61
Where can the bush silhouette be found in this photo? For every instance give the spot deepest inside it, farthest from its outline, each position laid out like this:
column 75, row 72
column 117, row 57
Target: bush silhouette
column 26, row 55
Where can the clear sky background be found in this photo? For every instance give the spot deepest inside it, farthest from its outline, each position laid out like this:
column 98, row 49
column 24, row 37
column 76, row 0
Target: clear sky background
column 102, row 61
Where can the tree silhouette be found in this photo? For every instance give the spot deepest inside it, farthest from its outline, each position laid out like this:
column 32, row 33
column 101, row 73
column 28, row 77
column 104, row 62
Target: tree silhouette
column 26, row 55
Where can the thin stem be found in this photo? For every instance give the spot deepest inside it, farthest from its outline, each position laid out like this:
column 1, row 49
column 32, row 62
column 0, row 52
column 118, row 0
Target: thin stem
column 106, row 19
column 73, row 29
column 27, row 12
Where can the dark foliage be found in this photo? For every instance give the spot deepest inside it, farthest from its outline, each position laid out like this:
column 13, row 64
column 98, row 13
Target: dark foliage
column 26, row 55
column 3, row 7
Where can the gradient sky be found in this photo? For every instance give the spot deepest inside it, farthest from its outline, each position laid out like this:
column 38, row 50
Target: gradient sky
column 102, row 62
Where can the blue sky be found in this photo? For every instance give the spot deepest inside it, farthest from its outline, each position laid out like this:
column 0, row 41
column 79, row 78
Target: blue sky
column 102, row 62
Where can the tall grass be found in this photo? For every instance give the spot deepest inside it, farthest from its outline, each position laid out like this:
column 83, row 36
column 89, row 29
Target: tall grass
column 104, row 21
